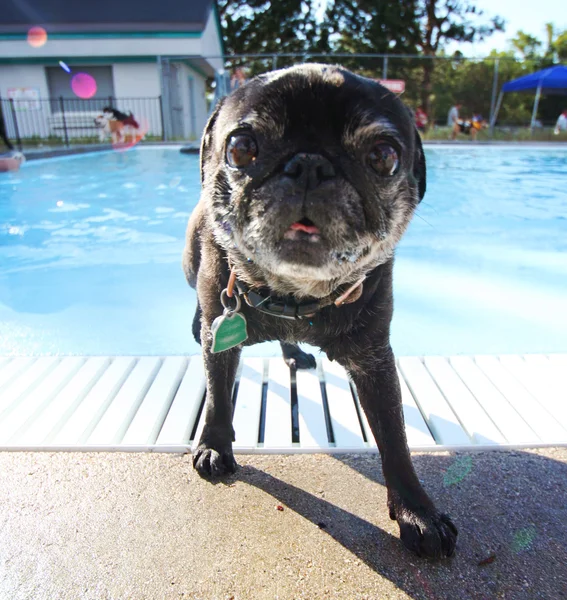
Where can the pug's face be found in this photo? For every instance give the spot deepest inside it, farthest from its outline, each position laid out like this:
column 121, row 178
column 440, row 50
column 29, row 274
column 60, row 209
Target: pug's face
column 312, row 173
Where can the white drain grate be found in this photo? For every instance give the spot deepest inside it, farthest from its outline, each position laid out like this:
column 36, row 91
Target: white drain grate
column 155, row 404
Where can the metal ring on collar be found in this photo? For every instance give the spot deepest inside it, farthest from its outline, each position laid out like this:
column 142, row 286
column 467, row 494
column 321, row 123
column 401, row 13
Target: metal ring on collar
column 225, row 301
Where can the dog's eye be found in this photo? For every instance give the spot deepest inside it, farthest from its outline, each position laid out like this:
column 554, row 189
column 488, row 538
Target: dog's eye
column 384, row 160
column 241, row 150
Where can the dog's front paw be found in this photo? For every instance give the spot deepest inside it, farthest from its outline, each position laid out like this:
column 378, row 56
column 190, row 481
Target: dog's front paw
column 426, row 532
column 212, row 463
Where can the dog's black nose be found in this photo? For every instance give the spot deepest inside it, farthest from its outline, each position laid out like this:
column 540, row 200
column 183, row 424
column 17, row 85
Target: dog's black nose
column 309, row 170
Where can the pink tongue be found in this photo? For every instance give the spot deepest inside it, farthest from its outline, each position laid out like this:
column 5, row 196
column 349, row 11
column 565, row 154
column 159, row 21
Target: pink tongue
column 306, row 228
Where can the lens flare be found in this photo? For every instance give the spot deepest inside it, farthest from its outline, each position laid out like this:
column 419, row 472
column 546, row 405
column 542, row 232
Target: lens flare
column 37, row 37
column 523, row 538
column 83, row 85
column 64, row 66
column 458, row 470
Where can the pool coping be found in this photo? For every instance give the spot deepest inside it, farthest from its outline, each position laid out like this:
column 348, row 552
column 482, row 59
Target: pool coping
column 191, row 148
column 156, row 404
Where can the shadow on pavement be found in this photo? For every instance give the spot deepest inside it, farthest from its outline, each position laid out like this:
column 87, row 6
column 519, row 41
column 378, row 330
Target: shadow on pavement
column 510, row 508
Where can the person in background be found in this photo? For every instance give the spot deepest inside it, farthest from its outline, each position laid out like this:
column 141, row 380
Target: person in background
column 11, row 161
column 477, row 123
column 420, row 119
column 238, row 78
column 469, row 126
column 561, row 124
column 453, row 115
column 3, row 131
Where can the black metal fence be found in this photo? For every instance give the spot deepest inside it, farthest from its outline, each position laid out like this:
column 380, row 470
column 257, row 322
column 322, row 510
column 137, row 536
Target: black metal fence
column 72, row 121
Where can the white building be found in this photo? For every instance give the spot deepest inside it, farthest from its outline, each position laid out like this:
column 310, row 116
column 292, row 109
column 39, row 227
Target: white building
column 161, row 52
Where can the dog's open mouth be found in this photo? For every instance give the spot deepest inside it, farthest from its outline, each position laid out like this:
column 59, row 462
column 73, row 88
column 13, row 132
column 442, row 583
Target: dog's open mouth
column 301, row 230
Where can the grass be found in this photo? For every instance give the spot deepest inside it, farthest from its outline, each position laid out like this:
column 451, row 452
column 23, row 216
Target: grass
column 501, row 134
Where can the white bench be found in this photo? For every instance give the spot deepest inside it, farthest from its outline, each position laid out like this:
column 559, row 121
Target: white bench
column 74, row 122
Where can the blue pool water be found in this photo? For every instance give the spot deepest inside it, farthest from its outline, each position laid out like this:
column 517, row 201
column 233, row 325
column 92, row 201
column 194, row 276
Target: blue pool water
column 90, row 255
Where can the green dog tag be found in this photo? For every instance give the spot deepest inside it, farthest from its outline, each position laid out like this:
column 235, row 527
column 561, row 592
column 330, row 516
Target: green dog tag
column 228, row 331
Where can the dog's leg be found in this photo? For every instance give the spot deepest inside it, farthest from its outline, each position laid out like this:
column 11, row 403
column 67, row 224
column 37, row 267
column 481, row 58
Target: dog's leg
column 423, row 529
column 196, row 327
column 295, row 358
column 213, row 456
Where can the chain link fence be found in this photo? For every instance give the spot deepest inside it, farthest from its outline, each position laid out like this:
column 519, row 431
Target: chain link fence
column 435, row 84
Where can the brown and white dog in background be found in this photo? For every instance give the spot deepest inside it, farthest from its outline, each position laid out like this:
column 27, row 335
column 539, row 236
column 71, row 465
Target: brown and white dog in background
column 109, row 128
column 119, row 126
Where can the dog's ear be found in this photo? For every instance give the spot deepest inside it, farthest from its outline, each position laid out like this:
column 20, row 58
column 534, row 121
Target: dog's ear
column 419, row 166
column 207, row 138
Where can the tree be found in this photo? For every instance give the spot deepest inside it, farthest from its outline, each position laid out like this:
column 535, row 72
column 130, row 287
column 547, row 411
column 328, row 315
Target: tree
column 549, row 50
column 527, row 45
column 370, row 26
column 470, row 81
column 443, row 21
column 423, row 26
column 558, row 45
column 261, row 26
column 555, row 51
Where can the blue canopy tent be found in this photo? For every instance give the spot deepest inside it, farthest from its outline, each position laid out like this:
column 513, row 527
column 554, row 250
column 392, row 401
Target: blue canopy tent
column 552, row 80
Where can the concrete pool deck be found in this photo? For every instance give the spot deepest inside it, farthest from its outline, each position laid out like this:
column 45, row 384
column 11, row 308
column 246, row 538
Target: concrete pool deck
column 145, row 526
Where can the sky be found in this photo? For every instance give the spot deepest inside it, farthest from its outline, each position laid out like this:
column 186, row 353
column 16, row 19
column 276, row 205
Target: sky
column 519, row 14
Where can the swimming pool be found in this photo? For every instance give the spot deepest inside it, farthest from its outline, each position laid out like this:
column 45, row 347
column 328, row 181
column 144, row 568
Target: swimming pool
column 90, row 255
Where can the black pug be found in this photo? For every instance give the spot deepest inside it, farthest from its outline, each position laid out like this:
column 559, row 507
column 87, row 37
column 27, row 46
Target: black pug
column 310, row 176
